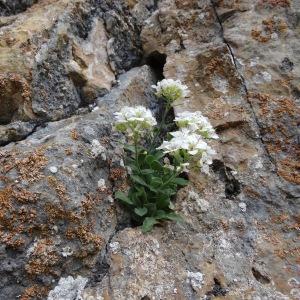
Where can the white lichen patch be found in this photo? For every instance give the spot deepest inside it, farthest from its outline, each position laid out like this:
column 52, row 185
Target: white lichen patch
column 98, row 149
column 262, row 77
column 66, row 251
column 243, row 206
column 101, row 184
column 220, row 84
column 114, row 247
column 68, row 289
column 53, row 169
column 110, row 199
column 201, row 203
column 195, row 279
column 31, row 249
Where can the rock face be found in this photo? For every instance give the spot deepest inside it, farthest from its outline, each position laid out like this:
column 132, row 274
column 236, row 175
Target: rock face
column 62, row 235
column 12, row 7
column 57, row 210
column 60, row 55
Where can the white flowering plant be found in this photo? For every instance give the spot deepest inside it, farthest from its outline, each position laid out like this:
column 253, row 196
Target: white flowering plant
column 156, row 168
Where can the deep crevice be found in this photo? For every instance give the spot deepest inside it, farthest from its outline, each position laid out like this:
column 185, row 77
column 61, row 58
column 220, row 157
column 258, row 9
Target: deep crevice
column 217, row 290
column 157, row 61
column 232, row 185
column 260, row 277
column 244, row 85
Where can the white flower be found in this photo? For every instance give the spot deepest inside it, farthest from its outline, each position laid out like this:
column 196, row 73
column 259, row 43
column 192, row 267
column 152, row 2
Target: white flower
column 206, row 159
column 184, row 167
column 134, row 120
column 196, row 122
column 193, row 145
column 170, row 89
column 183, row 139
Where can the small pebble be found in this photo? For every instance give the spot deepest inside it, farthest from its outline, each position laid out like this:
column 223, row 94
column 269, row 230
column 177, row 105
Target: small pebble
column 53, row 170
column 243, row 206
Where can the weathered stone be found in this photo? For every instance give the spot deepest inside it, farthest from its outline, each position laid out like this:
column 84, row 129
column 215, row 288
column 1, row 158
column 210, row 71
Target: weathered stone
column 264, row 46
column 57, row 210
column 50, row 66
column 132, row 88
column 238, row 240
column 12, row 7
column 58, row 216
column 15, row 131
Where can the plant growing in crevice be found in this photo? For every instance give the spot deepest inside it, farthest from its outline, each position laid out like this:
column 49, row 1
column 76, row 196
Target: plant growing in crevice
column 155, row 168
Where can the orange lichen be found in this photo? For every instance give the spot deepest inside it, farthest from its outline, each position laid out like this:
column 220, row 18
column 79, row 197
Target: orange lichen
column 59, row 188
column 35, row 292
column 274, row 3
column 43, row 258
column 117, row 174
column 279, row 116
column 16, row 219
column 74, row 134
column 251, row 192
column 30, row 168
column 289, row 170
column 268, row 27
column 84, row 234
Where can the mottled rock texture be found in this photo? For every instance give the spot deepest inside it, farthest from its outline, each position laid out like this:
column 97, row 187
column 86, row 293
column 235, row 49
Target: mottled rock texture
column 12, row 7
column 60, row 227
column 60, row 55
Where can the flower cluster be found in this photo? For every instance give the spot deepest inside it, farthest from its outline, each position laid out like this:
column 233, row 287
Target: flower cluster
column 171, row 90
column 155, row 170
column 197, row 123
column 135, row 121
column 186, row 146
column 191, row 142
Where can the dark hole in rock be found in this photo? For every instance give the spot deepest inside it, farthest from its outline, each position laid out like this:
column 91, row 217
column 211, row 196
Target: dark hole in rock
column 157, row 62
column 232, row 185
column 145, row 298
column 217, row 290
column 260, row 277
column 99, row 271
column 286, row 65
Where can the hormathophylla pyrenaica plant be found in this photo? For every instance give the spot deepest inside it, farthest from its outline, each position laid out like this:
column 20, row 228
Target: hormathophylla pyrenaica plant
column 155, row 169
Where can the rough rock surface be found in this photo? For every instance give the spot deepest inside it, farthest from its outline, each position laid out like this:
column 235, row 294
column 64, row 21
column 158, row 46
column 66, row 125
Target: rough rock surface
column 60, row 55
column 11, row 7
column 57, row 210
column 63, row 235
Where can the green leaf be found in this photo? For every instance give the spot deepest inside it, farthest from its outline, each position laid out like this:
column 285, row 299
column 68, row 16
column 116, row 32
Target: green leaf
column 156, row 181
column 163, row 202
column 173, row 217
column 123, row 197
column 168, row 192
column 159, row 155
column 138, row 179
column 141, row 211
column 147, row 171
column 151, row 208
column 149, row 159
column 171, row 205
column 148, row 224
column 155, row 165
column 129, row 148
column 160, row 214
column 180, row 181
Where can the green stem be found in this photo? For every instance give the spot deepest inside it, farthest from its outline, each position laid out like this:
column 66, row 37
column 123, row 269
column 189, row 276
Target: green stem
column 136, row 153
column 161, row 125
column 171, row 178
